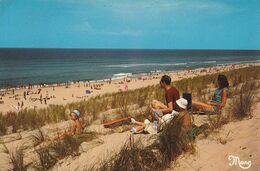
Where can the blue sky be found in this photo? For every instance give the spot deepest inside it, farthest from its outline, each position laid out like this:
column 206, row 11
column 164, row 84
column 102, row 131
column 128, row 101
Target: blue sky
column 170, row 24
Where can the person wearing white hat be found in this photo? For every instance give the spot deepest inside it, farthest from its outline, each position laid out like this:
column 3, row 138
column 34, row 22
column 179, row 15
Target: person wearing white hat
column 182, row 106
column 156, row 126
column 184, row 114
column 77, row 127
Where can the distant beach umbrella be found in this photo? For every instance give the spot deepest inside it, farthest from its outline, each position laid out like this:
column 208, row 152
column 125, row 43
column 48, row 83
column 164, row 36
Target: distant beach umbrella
column 88, row 91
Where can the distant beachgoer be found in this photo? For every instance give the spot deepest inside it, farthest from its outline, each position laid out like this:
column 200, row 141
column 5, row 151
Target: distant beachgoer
column 41, row 98
column 24, row 95
column 22, row 105
column 171, row 95
column 45, row 100
column 18, row 105
column 219, row 98
column 126, row 86
column 157, row 125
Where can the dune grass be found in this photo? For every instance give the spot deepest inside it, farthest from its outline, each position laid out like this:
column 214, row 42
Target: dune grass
column 242, row 105
column 56, row 150
column 45, row 159
column 16, row 158
column 31, row 119
column 172, row 142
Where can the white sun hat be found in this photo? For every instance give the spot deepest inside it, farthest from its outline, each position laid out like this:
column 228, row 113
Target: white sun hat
column 182, row 103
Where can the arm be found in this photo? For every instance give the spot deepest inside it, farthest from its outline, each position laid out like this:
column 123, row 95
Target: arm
column 159, row 124
column 165, row 110
column 223, row 99
column 168, row 109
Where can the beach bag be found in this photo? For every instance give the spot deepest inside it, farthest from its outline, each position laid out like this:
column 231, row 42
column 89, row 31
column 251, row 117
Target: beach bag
column 188, row 97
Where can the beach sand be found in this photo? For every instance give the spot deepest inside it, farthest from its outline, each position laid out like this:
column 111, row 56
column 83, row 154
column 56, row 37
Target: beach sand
column 75, row 92
column 241, row 139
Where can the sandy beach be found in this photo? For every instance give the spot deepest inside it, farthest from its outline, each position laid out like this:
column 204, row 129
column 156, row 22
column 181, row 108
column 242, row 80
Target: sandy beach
column 236, row 137
column 36, row 96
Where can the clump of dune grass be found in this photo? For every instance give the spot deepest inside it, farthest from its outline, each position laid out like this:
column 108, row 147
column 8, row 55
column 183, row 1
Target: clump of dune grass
column 59, row 149
column 216, row 121
column 131, row 157
column 241, row 106
column 123, row 109
column 38, row 138
column 69, row 145
column 46, row 159
column 63, row 148
column 2, row 125
column 172, row 142
column 16, row 158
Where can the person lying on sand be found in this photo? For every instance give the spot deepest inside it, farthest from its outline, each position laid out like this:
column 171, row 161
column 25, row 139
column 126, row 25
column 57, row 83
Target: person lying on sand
column 157, row 125
column 171, row 95
column 219, row 98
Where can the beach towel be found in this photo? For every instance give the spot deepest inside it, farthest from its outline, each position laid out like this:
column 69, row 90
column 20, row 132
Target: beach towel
column 196, row 130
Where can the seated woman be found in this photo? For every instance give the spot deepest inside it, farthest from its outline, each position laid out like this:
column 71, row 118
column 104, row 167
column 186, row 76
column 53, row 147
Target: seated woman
column 158, row 125
column 219, row 98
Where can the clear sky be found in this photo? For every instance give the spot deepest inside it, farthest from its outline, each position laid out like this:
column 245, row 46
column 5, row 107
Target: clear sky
column 171, row 24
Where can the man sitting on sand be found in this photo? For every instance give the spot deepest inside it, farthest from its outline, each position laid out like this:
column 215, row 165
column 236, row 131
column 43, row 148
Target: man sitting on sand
column 155, row 127
column 171, row 95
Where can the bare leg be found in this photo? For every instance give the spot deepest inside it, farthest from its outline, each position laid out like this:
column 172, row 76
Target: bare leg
column 139, row 129
column 139, row 123
column 158, row 105
column 202, row 106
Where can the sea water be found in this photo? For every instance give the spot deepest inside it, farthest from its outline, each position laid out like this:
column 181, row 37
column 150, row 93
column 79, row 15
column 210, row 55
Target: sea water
column 37, row 66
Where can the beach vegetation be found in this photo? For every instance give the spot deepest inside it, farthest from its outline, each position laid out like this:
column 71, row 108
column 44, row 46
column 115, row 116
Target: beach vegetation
column 16, row 158
column 27, row 119
column 56, row 150
column 172, row 142
column 45, row 159
column 241, row 106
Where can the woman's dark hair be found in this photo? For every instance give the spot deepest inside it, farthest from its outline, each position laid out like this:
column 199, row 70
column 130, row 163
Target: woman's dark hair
column 223, row 82
column 166, row 79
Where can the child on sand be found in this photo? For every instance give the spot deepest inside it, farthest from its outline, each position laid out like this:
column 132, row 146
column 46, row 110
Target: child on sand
column 77, row 126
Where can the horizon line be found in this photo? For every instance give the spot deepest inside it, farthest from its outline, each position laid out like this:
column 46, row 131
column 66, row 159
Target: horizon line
column 191, row 49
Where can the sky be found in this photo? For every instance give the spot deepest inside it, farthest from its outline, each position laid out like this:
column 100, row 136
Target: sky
column 148, row 24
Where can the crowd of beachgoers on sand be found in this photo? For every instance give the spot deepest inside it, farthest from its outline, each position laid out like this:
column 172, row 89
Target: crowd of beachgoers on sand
column 41, row 95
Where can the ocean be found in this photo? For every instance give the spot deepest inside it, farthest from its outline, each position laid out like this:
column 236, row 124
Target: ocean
column 38, row 66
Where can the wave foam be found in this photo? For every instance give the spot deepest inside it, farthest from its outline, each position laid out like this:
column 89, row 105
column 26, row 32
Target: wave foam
column 137, row 65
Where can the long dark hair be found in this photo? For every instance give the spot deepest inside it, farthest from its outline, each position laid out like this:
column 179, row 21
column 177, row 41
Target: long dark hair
column 222, row 81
